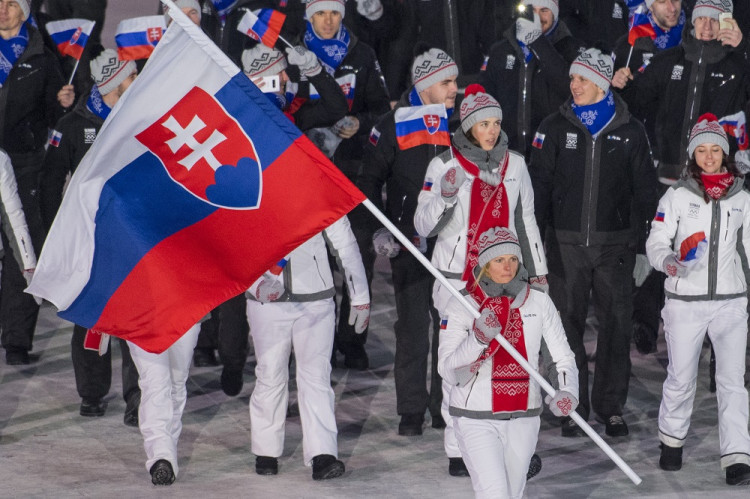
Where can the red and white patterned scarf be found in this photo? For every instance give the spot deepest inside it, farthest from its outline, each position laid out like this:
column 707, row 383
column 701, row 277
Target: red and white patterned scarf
column 717, row 184
column 488, row 208
column 510, row 382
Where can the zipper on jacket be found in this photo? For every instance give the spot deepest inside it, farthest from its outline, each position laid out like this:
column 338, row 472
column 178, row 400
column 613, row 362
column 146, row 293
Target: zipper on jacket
column 476, row 376
column 538, row 255
column 713, row 251
column 591, row 192
column 524, row 118
column 695, row 93
column 401, row 213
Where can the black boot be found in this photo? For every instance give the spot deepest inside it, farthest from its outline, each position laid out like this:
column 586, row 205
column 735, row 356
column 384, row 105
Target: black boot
column 535, row 466
column 457, row 467
column 131, row 409
column 738, row 474
column 231, row 380
column 162, row 473
column 265, row 465
column 411, row 425
column 712, row 371
column 93, row 408
column 671, row 458
column 325, row 466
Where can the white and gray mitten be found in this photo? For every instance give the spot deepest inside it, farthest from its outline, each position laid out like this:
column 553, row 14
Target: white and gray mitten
column 385, row 244
column 451, row 183
column 306, row 60
column 359, row 317
column 486, row 327
column 563, row 403
column 370, row 9
column 269, row 289
column 527, row 31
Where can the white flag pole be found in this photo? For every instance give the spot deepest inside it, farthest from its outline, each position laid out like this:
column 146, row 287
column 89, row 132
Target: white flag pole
column 503, row 342
column 75, row 68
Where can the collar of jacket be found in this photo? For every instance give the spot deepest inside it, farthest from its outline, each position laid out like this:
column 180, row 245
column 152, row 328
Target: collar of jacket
column 711, row 52
column 691, row 184
column 82, row 109
column 560, row 32
column 485, row 160
column 35, row 46
column 515, row 289
column 622, row 115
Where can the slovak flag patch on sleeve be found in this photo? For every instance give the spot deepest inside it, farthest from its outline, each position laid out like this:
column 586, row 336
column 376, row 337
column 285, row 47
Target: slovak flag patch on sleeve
column 538, row 140
column 55, row 138
column 659, row 216
column 443, row 324
column 427, row 184
column 374, row 136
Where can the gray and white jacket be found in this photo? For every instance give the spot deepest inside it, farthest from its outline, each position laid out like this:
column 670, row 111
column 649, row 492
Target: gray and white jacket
column 722, row 273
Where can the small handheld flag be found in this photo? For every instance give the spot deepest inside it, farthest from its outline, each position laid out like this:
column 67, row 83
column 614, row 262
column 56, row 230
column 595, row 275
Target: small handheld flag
column 70, row 35
column 263, row 25
column 693, row 248
column 136, row 38
column 418, row 125
column 640, row 25
column 736, row 126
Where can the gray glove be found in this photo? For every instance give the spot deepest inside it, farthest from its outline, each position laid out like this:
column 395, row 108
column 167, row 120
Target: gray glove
column 527, row 31
column 359, row 317
column 370, row 9
column 563, row 403
column 304, row 59
column 385, row 244
column 269, row 289
column 450, row 183
column 641, row 270
column 673, row 267
column 486, row 327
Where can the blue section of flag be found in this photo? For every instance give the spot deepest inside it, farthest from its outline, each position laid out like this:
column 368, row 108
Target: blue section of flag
column 163, row 208
column 659, row 217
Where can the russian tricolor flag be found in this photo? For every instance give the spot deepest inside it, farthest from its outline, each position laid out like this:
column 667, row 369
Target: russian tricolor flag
column 196, row 185
column 137, row 37
column 419, row 125
column 263, row 25
column 736, row 126
column 640, row 25
column 444, row 323
column 55, row 138
column 70, row 35
column 693, row 247
column 659, row 216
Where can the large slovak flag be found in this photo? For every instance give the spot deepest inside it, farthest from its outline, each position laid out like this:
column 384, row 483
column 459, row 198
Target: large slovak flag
column 70, row 35
column 263, row 25
column 418, row 125
column 137, row 37
column 195, row 186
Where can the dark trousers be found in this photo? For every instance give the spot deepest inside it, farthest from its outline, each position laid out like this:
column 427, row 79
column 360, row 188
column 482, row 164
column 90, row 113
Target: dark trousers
column 227, row 331
column 18, row 310
column 416, row 316
column 92, row 10
column 94, row 372
column 604, row 273
column 346, row 340
column 648, row 300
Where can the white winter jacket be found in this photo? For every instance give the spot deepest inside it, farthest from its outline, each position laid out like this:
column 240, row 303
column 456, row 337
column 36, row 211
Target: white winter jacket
column 13, row 219
column 307, row 275
column 449, row 255
column 722, row 273
column 459, row 348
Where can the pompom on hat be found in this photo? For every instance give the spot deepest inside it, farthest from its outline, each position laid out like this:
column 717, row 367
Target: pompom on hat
column 478, row 106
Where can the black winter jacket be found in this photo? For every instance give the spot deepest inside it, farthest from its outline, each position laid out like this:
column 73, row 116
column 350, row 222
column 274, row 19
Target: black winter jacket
column 594, row 191
column 401, row 171
column 682, row 83
column 79, row 129
column 528, row 93
column 28, row 100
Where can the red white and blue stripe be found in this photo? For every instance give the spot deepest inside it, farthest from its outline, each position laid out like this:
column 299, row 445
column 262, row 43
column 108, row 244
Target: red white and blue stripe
column 693, row 247
column 659, row 216
column 420, row 125
column 196, row 185
column 736, row 126
column 263, row 25
column 136, row 38
column 70, row 35
column 640, row 25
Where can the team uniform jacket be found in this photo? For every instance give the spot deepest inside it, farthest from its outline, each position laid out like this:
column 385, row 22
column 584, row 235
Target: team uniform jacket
column 402, row 170
column 594, row 191
column 13, row 220
column 79, row 129
column 722, row 273
column 682, row 83
column 449, row 255
column 459, row 348
column 28, row 99
column 529, row 92
column 307, row 274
